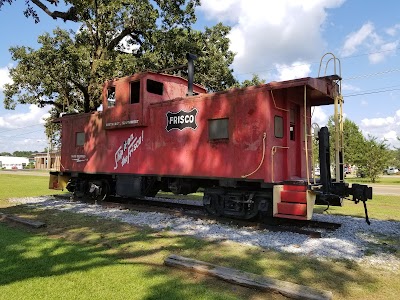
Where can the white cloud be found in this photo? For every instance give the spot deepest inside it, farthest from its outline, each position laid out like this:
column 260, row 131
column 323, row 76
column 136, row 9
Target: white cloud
column 357, row 38
column 34, row 116
column 383, row 128
column 377, row 122
column 383, row 51
column 295, row 70
column 21, row 131
column 350, row 88
column 368, row 40
column 265, row 33
column 392, row 31
column 319, row 116
column 391, row 135
column 4, row 77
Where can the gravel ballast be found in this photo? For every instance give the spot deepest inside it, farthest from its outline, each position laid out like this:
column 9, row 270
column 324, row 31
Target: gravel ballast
column 354, row 240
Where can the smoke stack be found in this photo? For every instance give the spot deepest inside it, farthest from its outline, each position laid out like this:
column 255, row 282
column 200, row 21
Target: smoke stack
column 190, row 57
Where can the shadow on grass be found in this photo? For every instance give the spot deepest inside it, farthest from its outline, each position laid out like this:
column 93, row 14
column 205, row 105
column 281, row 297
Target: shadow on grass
column 26, row 256
column 94, row 242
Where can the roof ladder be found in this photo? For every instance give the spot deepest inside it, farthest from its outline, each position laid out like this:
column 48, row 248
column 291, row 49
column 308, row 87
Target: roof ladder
column 338, row 117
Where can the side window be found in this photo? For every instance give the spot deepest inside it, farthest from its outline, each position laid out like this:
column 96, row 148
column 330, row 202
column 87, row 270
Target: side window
column 292, row 124
column 218, row 129
column 135, row 92
column 155, row 87
column 80, row 139
column 111, row 96
column 278, row 127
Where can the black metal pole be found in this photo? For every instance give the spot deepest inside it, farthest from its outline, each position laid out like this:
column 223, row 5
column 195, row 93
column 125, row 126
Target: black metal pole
column 190, row 57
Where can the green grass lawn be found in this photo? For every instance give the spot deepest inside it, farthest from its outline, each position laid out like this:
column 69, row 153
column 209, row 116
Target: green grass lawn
column 16, row 186
column 81, row 257
column 38, row 267
column 382, row 207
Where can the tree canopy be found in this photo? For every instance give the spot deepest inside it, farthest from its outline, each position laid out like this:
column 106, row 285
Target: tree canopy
column 353, row 141
column 116, row 38
column 374, row 158
column 368, row 154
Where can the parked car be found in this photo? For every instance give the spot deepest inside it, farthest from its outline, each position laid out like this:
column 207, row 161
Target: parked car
column 391, row 171
column 317, row 172
column 360, row 173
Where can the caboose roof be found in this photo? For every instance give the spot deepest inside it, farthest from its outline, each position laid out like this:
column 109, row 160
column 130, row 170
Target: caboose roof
column 320, row 90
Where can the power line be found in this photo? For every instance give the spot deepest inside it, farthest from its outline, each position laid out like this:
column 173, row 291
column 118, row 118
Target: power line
column 372, row 74
column 318, row 62
column 368, row 93
column 375, row 91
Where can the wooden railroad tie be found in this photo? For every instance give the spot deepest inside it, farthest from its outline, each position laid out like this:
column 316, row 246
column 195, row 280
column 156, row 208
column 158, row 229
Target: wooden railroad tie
column 30, row 223
column 246, row 279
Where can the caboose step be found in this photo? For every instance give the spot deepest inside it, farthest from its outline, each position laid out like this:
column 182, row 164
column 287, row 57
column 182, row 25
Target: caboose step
column 295, row 188
column 294, row 197
column 297, row 209
column 290, row 217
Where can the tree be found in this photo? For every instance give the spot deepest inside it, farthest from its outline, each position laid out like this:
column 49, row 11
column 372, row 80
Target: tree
column 22, row 153
column 69, row 68
column 396, row 154
column 369, row 155
column 30, row 10
column 353, row 141
column 5, row 154
column 255, row 80
column 374, row 158
column 116, row 38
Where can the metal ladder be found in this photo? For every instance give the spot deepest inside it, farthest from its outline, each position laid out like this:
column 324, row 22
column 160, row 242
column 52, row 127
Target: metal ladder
column 338, row 117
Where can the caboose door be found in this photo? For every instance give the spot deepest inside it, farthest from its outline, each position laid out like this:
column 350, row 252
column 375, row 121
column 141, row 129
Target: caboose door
column 295, row 141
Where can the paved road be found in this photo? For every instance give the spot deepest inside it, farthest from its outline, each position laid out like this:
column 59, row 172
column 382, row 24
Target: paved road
column 380, row 189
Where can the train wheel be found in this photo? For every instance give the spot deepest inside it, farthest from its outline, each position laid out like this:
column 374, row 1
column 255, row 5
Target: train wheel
column 213, row 204
column 104, row 191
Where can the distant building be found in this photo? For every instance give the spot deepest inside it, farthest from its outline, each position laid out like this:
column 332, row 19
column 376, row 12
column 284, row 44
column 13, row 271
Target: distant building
column 13, row 163
column 41, row 161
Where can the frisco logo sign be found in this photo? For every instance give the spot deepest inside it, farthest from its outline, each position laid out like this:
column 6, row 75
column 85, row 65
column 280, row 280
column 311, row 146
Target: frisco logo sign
column 181, row 120
column 124, row 152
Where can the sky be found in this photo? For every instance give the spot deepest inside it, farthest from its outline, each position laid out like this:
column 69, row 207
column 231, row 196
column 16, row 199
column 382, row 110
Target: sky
column 277, row 40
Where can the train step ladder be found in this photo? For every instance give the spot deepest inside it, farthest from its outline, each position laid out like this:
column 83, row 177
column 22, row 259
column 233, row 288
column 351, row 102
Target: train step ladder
column 293, row 202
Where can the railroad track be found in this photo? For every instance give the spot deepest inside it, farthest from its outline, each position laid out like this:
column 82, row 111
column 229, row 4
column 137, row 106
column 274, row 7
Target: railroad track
column 195, row 209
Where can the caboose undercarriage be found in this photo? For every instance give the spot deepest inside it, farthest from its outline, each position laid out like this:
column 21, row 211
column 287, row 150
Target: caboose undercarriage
column 222, row 197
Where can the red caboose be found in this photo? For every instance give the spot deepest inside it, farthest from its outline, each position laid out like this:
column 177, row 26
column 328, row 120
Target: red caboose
column 250, row 149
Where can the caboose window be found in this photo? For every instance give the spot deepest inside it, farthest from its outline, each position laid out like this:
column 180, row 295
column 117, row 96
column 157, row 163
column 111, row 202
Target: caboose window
column 278, row 127
column 80, row 139
column 111, row 96
column 155, row 87
column 135, row 92
column 218, row 129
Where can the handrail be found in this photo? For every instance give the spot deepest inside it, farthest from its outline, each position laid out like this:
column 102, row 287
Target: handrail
column 273, row 99
column 306, row 134
column 262, row 159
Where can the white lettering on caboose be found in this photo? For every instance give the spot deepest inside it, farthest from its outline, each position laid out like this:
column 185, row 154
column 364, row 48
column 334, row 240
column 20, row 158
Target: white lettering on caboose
column 124, row 152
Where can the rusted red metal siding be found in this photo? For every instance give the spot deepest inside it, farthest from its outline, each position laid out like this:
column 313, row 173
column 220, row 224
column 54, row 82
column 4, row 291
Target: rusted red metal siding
column 154, row 149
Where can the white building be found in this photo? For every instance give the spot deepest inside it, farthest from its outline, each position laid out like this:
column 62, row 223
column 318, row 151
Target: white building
column 10, row 162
